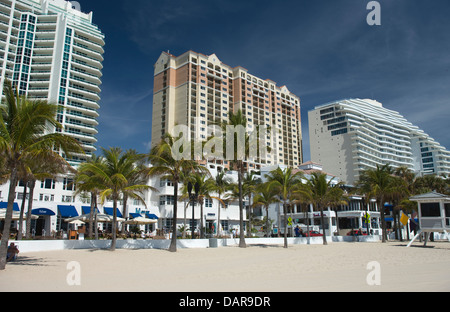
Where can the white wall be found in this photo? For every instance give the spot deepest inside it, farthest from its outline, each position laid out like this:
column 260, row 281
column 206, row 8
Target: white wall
column 59, row 245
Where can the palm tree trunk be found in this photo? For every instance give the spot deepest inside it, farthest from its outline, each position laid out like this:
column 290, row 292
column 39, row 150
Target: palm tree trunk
column 173, row 243
column 22, row 210
column 184, row 227
column 285, row 224
column 91, row 216
column 114, row 225
column 307, row 223
column 202, row 234
column 267, row 221
column 367, row 223
column 337, row 221
column 242, row 243
column 383, row 221
column 8, row 218
column 218, row 219
column 250, row 226
column 124, row 211
column 322, row 219
column 95, row 217
column 31, row 185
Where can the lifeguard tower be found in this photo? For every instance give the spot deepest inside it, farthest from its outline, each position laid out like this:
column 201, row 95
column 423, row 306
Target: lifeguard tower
column 434, row 214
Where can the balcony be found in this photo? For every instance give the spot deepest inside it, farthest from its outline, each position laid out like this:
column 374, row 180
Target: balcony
column 84, row 101
column 85, row 92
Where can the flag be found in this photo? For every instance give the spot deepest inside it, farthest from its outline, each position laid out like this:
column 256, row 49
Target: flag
column 404, row 218
column 367, row 218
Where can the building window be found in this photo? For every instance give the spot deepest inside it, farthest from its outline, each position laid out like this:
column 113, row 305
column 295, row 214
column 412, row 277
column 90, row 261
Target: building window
column 208, row 203
column 166, row 200
column 427, row 160
column 46, row 197
column 68, row 199
column 48, row 184
column 225, row 225
column 68, row 185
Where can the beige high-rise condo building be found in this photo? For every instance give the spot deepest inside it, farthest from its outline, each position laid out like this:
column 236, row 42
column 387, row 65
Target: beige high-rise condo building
column 50, row 50
column 198, row 90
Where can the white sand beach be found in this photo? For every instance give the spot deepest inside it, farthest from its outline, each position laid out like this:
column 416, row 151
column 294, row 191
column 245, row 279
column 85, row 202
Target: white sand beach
column 338, row 267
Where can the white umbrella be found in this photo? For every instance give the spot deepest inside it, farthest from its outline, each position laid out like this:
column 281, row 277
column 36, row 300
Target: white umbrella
column 15, row 216
column 102, row 218
column 140, row 220
column 77, row 222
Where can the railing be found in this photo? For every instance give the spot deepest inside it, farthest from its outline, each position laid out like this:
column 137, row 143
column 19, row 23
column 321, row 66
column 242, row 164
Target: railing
column 432, row 223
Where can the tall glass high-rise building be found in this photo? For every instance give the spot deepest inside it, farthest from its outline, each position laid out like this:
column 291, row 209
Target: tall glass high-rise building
column 353, row 135
column 50, row 50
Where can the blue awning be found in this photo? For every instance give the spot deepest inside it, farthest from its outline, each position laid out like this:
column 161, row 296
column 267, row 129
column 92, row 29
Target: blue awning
column 87, row 209
column 109, row 211
column 389, row 219
column 135, row 215
column 4, row 205
column 151, row 216
column 42, row 212
column 67, row 211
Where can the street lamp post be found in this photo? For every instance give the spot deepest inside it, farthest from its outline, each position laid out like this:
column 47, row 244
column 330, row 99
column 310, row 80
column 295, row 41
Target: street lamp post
column 193, row 197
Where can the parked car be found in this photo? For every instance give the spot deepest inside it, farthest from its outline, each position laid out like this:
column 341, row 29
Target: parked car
column 356, row 232
column 312, row 234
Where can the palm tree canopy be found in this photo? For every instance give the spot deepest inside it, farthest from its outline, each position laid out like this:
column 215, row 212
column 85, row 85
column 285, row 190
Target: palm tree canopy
column 284, row 181
column 112, row 174
column 163, row 163
column 376, row 182
column 26, row 128
column 265, row 196
column 322, row 191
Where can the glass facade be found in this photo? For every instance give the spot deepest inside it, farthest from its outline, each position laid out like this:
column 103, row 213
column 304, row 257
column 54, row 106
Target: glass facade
column 53, row 52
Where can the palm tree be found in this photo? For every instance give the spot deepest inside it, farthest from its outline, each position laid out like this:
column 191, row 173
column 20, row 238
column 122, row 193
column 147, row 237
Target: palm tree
column 238, row 119
column 112, row 175
column 429, row 183
column 166, row 166
column 265, row 196
column 221, row 186
column 26, row 130
column 135, row 176
column 285, row 182
column 323, row 194
column 186, row 177
column 400, row 190
column 49, row 165
column 206, row 187
column 377, row 183
column 87, row 181
column 249, row 186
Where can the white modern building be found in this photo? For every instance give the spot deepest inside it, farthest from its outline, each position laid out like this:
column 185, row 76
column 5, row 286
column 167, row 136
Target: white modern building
column 338, row 220
column 56, row 200
column 50, row 50
column 352, row 135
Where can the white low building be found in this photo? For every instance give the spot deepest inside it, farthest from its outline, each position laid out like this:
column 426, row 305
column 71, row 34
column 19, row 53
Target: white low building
column 56, row 200
column 341, row 220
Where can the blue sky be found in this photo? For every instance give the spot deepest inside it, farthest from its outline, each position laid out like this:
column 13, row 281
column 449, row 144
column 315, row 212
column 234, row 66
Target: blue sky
column 322, row 50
